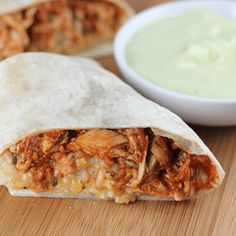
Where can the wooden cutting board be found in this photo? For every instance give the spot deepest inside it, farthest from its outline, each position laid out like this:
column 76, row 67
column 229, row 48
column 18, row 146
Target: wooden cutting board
column 215, row 214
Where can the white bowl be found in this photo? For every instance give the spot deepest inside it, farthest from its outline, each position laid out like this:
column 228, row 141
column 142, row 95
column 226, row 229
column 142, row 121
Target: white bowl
column 197, row 110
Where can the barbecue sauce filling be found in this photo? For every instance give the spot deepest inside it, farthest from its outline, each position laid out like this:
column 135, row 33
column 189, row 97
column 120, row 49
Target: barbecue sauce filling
column 60, row 26
column 137, row 159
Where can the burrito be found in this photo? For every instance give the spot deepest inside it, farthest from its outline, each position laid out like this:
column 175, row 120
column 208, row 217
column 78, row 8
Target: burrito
column 69, row 128
column 60, row 26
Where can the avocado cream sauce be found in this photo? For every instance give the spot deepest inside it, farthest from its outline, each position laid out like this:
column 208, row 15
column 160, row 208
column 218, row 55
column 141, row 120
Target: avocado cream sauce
column 192, row 53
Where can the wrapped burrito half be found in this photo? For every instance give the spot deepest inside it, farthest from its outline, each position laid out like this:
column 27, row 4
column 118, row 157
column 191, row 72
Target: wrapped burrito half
column 60, row 26
column 69, row 128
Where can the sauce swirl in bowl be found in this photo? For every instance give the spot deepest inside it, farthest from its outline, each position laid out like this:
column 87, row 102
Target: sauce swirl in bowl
column 183, row 56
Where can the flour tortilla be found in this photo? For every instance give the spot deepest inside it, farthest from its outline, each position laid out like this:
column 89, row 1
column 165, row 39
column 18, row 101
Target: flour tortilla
column 41, row 92
column 104, row 49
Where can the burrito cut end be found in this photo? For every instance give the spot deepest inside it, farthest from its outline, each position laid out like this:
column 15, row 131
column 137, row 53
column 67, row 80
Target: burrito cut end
column 59, row 26
column 72, row 129
column 107, row 163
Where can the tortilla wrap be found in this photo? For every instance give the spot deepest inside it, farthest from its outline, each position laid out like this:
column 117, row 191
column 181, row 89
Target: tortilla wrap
column 67, row 30
column 42, row 92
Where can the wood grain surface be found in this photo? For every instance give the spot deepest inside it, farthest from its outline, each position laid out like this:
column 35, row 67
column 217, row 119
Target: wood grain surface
column 214, row 214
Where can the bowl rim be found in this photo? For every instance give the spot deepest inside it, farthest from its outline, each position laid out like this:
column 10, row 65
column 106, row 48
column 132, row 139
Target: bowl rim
column 121, row 41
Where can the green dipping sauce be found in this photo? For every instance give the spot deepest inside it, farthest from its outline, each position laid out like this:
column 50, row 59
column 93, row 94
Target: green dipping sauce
column 192, row 53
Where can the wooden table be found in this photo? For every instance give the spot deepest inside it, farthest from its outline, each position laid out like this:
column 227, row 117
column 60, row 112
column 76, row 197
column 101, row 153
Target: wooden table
column 215, row 214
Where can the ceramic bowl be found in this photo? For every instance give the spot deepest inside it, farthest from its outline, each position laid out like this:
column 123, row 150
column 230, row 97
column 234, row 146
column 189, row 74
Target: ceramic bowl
column 197, row 110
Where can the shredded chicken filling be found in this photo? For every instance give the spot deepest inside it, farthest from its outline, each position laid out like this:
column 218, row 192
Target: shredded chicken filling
column 61, row 26
column 136, row 160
